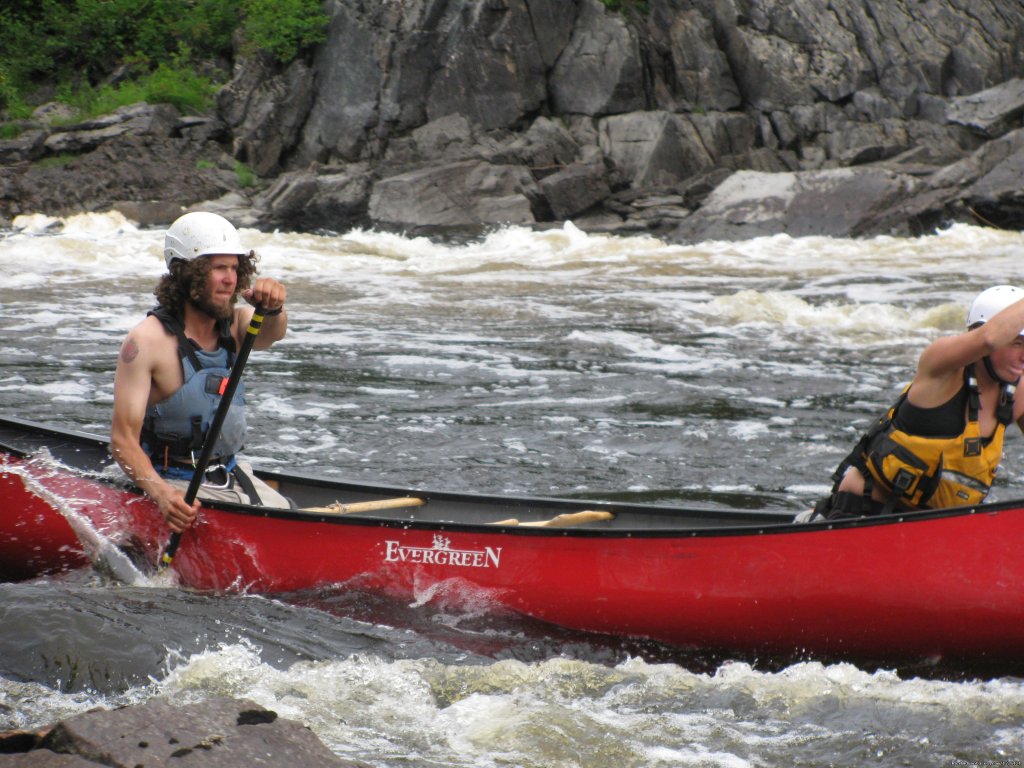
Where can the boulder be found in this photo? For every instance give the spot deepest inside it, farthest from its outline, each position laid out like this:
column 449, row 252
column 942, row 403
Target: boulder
column 217, row 733
column 457, row 196
column 546, row 146
column 334, row 198
column 991, row 112
column 27, row 146
column 865, row 142
column 157, row 120
column 841, row 202
column 575, row 189
column 652, row 149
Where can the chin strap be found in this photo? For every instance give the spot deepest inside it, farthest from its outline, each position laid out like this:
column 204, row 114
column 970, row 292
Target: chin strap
column 992, row 371
column 1004, row 409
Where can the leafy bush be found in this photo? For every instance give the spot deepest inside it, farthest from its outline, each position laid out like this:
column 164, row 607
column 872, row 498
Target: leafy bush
column 244, row 174
column 167, row 84
column 181, row 87
column 80, row 43
column 283, row 27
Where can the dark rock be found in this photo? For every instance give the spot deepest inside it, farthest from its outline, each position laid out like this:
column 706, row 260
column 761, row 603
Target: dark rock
column 750, row 204
column 141, row 168
column 20, row 741
column 546, row 146
column 25, row 147
column 217, row 733
column 265, row 111
column 201, row 128
column 45, row 759
column 991, row 112
column 157, row 120
column 332, row 198
column 699, row 76
column 651, row 149
column 348, row 82
column 600, row 70
column 575, row 189
column 457, row 196
column 490, row 64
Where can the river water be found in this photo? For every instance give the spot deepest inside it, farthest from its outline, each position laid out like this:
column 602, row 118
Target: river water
column 549, row 363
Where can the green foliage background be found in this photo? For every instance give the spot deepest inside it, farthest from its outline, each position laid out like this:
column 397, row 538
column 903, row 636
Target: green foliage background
column 165, row 46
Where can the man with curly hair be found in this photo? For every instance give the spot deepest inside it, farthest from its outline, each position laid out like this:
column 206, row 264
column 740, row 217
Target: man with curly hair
column 172, row 367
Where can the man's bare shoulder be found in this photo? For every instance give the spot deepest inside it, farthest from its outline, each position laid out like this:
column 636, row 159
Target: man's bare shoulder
column 150, row 336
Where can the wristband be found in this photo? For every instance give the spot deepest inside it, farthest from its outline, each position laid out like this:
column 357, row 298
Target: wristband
column 274, row 312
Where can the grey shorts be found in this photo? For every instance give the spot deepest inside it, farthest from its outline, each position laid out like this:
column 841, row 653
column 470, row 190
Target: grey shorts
column 268, row 497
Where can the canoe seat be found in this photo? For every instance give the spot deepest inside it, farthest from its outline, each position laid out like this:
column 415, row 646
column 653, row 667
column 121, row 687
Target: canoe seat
column 563, row 520
column 337, row 508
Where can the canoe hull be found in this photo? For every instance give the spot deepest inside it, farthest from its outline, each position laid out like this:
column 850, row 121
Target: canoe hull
column 942, row 586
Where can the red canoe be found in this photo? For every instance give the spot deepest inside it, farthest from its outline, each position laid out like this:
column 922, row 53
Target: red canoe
column 945, row 585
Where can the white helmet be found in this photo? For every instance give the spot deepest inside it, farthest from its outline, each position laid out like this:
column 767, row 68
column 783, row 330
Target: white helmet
column 991, row 301
column 201, row 234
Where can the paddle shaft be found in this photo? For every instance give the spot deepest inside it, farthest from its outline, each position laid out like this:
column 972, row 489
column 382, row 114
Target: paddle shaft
column 199, row 470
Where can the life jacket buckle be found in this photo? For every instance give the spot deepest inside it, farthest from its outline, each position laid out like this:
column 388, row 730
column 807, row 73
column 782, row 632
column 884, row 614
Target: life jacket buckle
column 903, row 481
column 972, row 446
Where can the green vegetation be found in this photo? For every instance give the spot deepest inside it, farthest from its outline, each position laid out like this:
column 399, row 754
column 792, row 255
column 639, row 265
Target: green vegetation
column 57, row 161
column 172, row 51
column 244, row 174
column 283, row 27
column 173, row 84
column 624, row 5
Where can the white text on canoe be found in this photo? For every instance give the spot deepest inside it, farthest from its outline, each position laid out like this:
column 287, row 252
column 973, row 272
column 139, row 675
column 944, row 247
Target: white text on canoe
column 441, row 553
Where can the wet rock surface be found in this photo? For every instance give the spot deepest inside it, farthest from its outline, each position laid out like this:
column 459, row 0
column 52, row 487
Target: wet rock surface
column 217, row 733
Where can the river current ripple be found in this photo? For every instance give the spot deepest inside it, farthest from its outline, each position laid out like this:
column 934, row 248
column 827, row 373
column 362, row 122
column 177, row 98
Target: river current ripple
column 546, row 363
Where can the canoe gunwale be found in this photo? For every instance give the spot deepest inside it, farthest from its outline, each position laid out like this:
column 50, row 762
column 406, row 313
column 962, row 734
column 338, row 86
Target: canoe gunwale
column 733, row 522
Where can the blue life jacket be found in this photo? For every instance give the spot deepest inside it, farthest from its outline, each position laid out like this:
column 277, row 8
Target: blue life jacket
column 175, row 428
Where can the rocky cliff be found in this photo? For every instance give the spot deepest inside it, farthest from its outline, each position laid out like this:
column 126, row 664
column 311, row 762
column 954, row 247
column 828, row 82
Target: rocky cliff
column 690, row 119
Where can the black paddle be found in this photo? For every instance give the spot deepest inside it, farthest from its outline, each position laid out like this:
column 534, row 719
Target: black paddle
column 218, row 421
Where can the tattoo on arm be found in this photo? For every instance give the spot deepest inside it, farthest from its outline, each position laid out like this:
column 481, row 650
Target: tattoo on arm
column 129, row 350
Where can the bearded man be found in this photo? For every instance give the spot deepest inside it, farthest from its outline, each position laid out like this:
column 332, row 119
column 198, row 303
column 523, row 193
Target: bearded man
column 173, row 364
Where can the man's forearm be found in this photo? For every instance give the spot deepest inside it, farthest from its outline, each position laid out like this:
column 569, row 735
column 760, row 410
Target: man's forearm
column 137, row 465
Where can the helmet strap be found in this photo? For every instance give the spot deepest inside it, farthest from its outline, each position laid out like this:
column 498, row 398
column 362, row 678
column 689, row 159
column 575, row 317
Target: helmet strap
column 1005, row 404
column 992, row 371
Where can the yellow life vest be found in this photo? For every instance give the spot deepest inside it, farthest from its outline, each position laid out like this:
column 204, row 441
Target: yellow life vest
column 937, row 472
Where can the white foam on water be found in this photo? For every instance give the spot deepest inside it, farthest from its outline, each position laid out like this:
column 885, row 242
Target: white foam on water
column 570, row 712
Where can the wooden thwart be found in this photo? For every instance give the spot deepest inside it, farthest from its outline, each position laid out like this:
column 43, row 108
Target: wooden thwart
column 337, row 508
column 566, row 519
